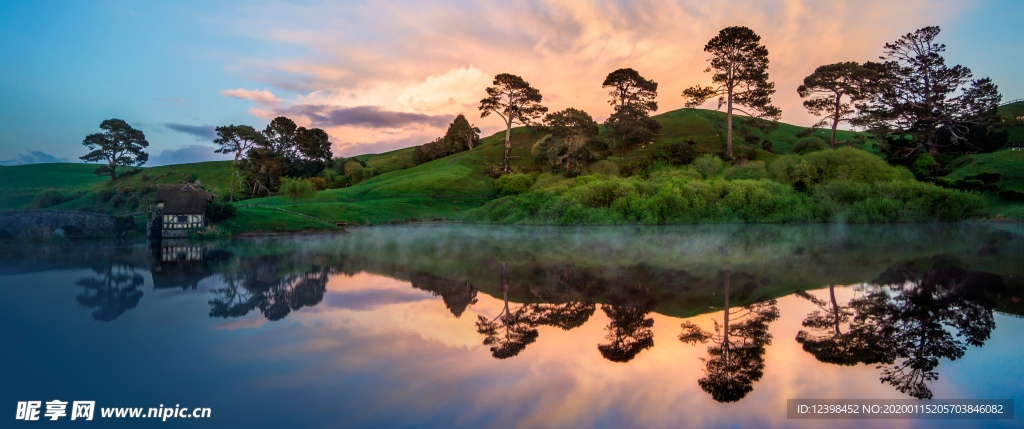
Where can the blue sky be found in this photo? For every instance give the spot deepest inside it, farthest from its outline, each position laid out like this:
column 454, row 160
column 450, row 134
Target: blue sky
column 379, row 75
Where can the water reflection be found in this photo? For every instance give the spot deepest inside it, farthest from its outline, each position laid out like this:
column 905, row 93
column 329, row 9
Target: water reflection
column 736, row 356
column 915, row 304
column 114, row 289
column 261, row 283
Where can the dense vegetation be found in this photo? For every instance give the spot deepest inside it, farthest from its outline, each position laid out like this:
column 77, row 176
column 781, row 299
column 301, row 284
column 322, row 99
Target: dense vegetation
column 845, row 185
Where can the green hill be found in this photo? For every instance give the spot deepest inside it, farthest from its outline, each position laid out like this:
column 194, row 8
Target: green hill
column 41, row 176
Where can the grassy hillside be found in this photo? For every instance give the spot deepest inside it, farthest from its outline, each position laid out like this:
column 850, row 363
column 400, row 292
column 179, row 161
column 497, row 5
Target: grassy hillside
column 1013, row 117
column 40, row 176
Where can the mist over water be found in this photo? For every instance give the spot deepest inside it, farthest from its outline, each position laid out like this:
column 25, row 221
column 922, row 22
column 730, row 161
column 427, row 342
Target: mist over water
column 441, row 325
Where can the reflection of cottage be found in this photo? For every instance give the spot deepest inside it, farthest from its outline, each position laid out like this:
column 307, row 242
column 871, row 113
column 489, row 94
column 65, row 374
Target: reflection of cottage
column 178, row 208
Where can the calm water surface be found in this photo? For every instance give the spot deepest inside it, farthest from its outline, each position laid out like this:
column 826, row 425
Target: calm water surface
column 519, row 327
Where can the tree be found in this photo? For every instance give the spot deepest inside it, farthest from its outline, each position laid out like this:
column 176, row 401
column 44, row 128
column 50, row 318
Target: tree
column 297, row 189
column 282, row 135
column 515, row 101
column 238, row 139
column 118, row 144
column 916, row 97
column 573, row 142
column 736, row 356
column 826, row 88
column 739, row 68
column 633, row 100
column 314, row 145
column 629, row 331
column 462, row 135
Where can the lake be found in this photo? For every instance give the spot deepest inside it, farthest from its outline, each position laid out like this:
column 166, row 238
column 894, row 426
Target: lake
column 496, row 326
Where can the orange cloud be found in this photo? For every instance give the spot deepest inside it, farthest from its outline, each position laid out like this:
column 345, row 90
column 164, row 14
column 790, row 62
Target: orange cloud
column 437, row 59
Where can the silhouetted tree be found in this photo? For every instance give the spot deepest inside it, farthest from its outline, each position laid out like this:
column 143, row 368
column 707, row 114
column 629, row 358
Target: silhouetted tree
column 826, row 88
column 916, row 96
column 257, row 283
column 118, row 144
column 633, row 98
column 736, row 356
column 826, row 340
column 238, row 139
column 457, row 295
column 516, row 102
column 739, row 68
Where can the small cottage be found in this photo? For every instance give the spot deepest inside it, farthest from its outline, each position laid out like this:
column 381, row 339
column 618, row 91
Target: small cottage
column 178, row 208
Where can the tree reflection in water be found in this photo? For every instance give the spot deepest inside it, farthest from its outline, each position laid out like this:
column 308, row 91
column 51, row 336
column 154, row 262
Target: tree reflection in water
column 736, row 356
column 257, row 283
column 510, row 332
column 629, row 331
column 913, row 315
column 115, row 291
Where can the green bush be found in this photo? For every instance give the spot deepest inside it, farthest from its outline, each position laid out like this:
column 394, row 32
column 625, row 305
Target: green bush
column 807, row 145
column 708, row 166
column 296, row 189
column 1011, row 195
column 48, row 198
column 635, row 167
column 678, row 153
column 219, row 211
column 925, row 167
column 751, row 171
column 104, row 195
column 514, row 184
column 841, row 164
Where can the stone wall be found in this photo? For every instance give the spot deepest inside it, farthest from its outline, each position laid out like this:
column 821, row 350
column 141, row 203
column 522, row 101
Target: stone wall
column 16, row 221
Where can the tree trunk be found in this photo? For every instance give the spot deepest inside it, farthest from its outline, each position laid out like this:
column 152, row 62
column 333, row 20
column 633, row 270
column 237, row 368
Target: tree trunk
column 508, row 143
column 728, row 128
column 835, row 307
column 725, row 327
column 835, row 123
column 113, row 171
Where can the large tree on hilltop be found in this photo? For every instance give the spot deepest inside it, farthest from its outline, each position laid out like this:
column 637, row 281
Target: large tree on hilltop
column 918, row 103
column 282, row 134
column 516, row 102
column 238, row 139
column 825, row 89
column 461, row 134
column 633, row 98
column 739, row 68
column 118, row 144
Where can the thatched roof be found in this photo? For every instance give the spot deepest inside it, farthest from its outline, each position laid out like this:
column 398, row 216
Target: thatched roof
column 185, row 198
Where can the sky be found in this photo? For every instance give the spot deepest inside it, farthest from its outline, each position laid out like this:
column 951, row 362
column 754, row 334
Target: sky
column 380, row 75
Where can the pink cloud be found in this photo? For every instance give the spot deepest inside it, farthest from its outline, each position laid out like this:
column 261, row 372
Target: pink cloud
column 263, row 97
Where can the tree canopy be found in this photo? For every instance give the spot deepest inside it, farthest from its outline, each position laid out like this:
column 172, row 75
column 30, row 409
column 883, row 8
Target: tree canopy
column 825, row 89
column 516, row 102
column 918, row 103
column 238, row 139
column 633, row 98
column 118, row 144
column 739, row 69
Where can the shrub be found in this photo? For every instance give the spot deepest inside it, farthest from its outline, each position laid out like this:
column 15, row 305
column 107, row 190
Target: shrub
column 319, row 183
column 339, row 182
column 116, row 200
column 104, row 195
column 827, row 165
column 752, row 170
column 584, row 180
column 514, row 184
column 635, row 167
column 296, row 189
column 708, row 166
column 219, row 211
column 807, row 145
column 679, row 153
column 48, row 198
column 925, row 166
column 988, row 178
column 1011, row 195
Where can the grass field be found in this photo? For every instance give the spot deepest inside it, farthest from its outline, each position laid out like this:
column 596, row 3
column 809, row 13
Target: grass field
column 57, row 176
